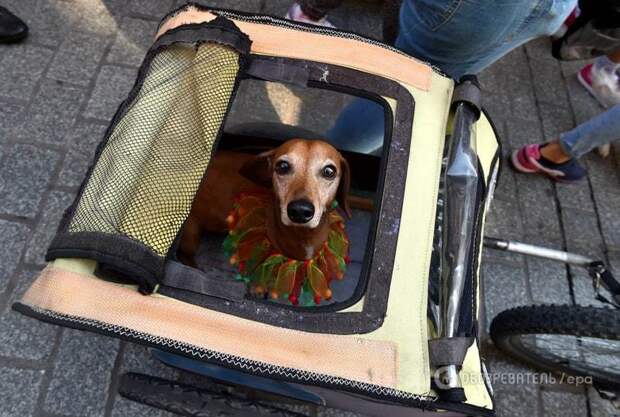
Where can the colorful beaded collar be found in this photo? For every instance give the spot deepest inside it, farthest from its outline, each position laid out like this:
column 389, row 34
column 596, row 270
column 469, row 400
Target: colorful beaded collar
column 270, row 273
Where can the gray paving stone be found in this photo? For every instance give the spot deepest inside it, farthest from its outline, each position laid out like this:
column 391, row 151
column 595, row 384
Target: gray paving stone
column 134, row 38
column 600, row 407
column 81, row 374
column 496, row 105
column 52, row 212
column 583, row 104
column 112, row 87
column 506, row 185
column 11, row 114
column 549, row 82
column 608, row 208
column 78, row 57
column 540, row 49
column 548, row 281
column 516, row 390
column 360, row 17
column 14, row 236
column 24, row 176
column 274, row 7
column 137, row 358
column 523, row 106
column 555, row 119
column 82, row 140
column 523, row 132
column 539, row 208
column 153, row 8
column 564, row 403
column 577, row 195
column 582, row 232
column 497, row 279
column 19, row 389
column 53, row 112
column 601, row 172
column 21, row 336
column 492, row 79
column 503, row 221
column 334, row 412
column 52, row 20
column 21, row 67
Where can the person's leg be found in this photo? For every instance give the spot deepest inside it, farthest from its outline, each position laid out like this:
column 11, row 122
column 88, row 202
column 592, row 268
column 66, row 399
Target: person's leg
column 600, row 130
column 312, row 11
column 558, row 158
column 360, row 127
column 464, row 37
column 318, row 9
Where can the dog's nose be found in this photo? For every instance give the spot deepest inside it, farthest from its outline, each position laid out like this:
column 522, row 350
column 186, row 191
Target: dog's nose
column 300, row 211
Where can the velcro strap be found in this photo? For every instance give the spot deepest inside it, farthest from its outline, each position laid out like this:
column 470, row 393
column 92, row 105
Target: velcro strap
column 277, row 70
column 448, row 350
column 468, row 91
column 186, row 278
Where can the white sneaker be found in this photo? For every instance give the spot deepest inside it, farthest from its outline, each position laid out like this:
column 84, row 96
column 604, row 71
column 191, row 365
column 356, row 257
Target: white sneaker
column 602, row 80
column 295, row 13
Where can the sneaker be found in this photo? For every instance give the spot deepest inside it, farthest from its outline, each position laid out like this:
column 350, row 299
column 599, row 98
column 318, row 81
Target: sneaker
column 12, row 28
column 529, row 160
column 295, row 13
column 602, row 81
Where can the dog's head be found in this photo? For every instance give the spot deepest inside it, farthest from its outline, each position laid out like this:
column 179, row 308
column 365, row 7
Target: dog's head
column 306, row 177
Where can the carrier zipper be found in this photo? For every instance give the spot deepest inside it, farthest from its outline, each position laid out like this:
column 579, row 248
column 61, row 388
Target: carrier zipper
column 236, row 362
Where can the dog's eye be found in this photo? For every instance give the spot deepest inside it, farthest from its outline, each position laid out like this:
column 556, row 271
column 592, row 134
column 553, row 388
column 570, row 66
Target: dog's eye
column 283, row 167
column 329, row 172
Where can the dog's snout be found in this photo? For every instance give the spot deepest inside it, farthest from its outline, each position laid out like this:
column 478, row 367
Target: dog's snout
column 300, row 211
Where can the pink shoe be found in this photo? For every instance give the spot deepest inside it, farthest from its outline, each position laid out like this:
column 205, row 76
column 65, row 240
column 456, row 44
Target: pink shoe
column 529, row 160
column 295, row 13
column 602, row 81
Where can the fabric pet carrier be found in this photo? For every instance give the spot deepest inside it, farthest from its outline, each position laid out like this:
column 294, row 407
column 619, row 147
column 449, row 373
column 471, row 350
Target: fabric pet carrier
column 399, row 336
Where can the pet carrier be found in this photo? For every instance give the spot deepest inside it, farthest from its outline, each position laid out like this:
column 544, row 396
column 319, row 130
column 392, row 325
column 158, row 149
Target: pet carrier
column 401, row 337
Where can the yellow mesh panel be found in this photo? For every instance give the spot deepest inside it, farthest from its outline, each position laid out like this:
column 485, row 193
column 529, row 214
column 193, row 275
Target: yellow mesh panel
column 146, row 177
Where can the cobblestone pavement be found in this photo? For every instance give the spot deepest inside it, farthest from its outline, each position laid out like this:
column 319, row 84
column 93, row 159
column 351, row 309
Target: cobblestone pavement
column 58, row 91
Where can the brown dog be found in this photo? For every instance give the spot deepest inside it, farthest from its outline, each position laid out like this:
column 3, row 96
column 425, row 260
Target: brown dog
column 305, row 178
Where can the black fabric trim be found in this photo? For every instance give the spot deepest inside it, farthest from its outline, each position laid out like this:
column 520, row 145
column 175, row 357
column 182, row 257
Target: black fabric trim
column 186, row 278
column 219, row 30
column 143, row 265
column 377, row 269
column 120, row 253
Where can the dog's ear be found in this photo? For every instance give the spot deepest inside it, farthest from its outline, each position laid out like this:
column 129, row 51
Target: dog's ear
column 258, row 169
column 342, row 195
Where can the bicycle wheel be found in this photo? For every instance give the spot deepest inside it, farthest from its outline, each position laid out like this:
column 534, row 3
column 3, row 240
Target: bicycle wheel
column 576, row 340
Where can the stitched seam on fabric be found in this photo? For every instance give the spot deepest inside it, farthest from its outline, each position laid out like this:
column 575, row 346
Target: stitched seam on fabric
column 244, row 364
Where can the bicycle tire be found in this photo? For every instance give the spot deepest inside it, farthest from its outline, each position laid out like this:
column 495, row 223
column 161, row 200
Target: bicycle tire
column 511, row 328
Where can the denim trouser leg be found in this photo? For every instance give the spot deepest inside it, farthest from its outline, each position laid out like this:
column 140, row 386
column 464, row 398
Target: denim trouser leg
column 464, row 36
column 598, row 131
column 459, row 37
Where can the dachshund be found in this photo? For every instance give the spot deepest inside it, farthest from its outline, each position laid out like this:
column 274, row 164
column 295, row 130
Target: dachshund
column 303, row 177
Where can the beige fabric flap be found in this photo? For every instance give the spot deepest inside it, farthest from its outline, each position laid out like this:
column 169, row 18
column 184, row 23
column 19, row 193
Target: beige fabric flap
column 62, row 291
column 286, row 42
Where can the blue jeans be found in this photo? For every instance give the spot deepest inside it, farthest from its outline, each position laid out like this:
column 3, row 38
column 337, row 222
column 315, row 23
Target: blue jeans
column 466, row 36
column 459, row 37
column 598, row 131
